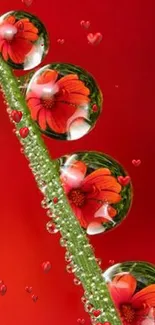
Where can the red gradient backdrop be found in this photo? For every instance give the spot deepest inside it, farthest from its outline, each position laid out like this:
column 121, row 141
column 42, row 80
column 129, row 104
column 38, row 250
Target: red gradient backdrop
column 124, row 66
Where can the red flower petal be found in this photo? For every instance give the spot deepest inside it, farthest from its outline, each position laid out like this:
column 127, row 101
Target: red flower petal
column 10, row 20
column 75, row 99
column 79, row 215
column 2, row 41
column 105, row 196
column 146, row 295
column 35, row 111
column 30, row 36
column 27, row 27
column 74, row 87
column 122, row 288
column 42, row 119
column 47, row 76
column 102, row 181
column 89, row 209
column 19, row 49
column 57, row 118
column 5, row 51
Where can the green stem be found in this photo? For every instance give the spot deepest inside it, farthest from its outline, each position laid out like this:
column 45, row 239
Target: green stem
column 46, row 173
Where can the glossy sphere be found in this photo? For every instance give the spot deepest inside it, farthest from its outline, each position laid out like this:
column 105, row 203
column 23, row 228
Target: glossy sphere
column 23, row 40
column 96, row 197
column 64, row 100
column 132, row 287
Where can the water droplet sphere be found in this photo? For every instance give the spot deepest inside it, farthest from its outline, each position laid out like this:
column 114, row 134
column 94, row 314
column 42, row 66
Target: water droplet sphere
column 90, row 180
column 132, row 288
column 23, row 40
column 61, row 99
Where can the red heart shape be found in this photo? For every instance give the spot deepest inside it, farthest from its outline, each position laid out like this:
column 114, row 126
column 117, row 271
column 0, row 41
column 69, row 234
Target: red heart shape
column 85, row 24
column 28, row 289
column 16, row 116
column 46, row 266
column 27, row 2
column 136, row 163
column 24, row 132
column 3, row 289
column 60, row 41
column 94, row 39
column 34, row 298
column 96, row 313
column 124, row 180
column 80, row 321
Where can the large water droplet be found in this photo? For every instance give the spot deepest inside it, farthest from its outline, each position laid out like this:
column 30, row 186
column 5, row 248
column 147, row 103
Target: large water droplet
column 61, row 98
column 90, row 180
column 132, row 287
column 23, row 35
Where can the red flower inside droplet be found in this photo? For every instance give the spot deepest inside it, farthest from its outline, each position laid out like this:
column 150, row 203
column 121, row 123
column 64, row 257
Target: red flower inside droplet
column 16, row 42
column 56, row 103
column 91, row 196
column 136, row 308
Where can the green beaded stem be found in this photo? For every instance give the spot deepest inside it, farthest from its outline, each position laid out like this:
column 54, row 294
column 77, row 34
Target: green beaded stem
column 46, row 172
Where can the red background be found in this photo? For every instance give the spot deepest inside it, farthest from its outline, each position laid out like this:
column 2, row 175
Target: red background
column 125, row 58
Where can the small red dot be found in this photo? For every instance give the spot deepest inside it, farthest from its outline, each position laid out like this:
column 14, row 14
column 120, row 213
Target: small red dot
column 55, row 200
column 95, row 108
column 111, row 262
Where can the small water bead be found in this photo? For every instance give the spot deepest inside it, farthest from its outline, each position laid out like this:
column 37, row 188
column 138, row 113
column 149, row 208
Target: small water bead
column 77, row 282
column 44, row 204
column 99, row 261
column 107, row 202
column 88, row 307
column 137, row 280
column 68, row 257
column 51, row 228
column 63, row 242
column 67, row 95
column 49, row 213
column 69, row 269
column 83, row 299
column 24, row 49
